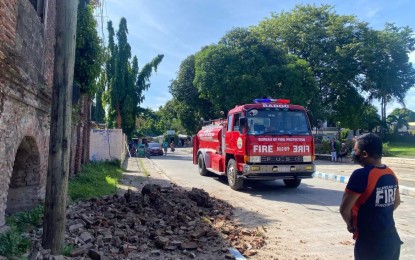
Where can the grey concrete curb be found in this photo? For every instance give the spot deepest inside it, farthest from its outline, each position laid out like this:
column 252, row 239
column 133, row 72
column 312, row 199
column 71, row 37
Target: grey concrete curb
column 404, row 190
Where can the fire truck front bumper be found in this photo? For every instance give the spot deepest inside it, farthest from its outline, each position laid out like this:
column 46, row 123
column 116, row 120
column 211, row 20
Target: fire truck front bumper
column 285, row 171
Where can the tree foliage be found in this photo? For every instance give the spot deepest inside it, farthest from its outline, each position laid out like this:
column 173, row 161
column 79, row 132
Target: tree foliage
column 371, row 119
column 89, row 52
column 408, row 114
column 333, row 64
column 149, row 123
column 190, row 106
column 329, row 43
column 399, row 118
column 98, row 113
column 241, row 67
column 388, row 72
column 126, row 82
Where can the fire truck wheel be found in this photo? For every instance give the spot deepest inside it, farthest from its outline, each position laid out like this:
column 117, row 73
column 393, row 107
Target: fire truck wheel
column 292, row 183
column 232, row 173
column 201, row 165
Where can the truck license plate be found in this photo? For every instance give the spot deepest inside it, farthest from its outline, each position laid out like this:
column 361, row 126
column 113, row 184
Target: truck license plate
column 283, row 168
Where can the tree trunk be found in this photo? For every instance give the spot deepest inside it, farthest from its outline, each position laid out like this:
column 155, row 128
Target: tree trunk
column 86, row 129
column 119, row 119
column 78, row 149
column 60, row 130
column 73, row 150
column 383, row 115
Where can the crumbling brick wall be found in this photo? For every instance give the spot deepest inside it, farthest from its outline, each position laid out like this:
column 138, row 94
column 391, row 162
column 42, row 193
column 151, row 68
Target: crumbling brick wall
column 27, row 33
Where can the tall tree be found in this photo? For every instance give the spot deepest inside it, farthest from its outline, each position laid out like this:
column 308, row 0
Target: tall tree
column 241, row 67
column 125, row 82
column 329, row 43
column 118, row 92
column 386, row 67
column 399, row 118
column 89, row 52
column 88, row 61
column 143, row 79
column 408, row 114
column 111, row 57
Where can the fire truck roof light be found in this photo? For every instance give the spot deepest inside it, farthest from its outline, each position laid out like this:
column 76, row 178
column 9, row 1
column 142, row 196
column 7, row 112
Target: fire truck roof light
column 271, row 100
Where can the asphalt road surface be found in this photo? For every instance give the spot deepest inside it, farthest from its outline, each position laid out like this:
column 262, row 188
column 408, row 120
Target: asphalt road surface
column 302, row 223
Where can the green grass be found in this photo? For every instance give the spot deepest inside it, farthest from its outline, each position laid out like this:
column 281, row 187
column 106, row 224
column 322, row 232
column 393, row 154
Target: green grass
column 14, row 242
column 143, row 168
column 95, row 180
column 400, row 149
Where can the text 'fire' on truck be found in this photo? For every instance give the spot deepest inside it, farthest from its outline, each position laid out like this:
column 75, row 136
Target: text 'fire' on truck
column 268, row 140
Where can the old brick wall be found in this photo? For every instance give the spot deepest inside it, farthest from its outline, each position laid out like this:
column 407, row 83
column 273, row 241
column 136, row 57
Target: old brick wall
column 26, row 75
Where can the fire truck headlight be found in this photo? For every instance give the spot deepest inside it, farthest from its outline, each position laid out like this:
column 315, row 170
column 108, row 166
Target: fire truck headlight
column 307, row 158
column 254, row 159
column 255, row 168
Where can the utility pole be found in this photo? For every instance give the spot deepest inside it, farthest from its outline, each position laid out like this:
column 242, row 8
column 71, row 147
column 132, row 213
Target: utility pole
column 60, row 129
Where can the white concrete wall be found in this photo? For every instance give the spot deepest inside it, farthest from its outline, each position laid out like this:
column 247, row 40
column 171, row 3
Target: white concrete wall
column 107, row 144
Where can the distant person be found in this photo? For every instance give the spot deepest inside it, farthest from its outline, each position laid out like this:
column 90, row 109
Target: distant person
column 333, row 150
column 343, row 151
column 370, row 198
column 353, row 142
column 172, row 146
column 165, row 146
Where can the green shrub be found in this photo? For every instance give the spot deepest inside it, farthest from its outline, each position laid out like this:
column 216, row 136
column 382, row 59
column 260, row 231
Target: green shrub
column 323, row 147
column 344, row 133
column 67, row 249
column 27, row 219
column 14, row 242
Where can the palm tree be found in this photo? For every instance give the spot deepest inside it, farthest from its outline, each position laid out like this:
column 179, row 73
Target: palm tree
column 397, row 121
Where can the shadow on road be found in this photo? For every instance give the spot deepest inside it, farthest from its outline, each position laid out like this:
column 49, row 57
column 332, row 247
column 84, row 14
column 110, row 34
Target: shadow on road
column 277, row 191
column 173, row 157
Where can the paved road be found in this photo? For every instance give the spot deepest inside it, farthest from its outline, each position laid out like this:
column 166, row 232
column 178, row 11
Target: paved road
column 301, row 223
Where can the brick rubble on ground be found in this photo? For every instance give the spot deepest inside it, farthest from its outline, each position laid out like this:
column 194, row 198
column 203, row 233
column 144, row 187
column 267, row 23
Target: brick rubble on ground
column 158, row 223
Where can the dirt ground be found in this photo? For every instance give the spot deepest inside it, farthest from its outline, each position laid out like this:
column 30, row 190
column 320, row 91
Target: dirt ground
column 301, row 240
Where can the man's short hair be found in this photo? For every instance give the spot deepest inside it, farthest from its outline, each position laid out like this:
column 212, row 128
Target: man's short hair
column 371, row 143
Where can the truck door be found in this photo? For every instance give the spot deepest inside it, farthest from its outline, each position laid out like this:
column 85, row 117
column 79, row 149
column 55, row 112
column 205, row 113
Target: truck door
column 234, row 137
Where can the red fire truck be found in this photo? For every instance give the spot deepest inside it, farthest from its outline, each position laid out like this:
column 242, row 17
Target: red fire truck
column 267, row 140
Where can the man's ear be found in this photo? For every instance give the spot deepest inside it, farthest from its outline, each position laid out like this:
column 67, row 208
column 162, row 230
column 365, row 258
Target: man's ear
column 365, row 154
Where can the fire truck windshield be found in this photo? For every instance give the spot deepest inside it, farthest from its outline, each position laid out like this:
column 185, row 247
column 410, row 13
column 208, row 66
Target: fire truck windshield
column 280, row 122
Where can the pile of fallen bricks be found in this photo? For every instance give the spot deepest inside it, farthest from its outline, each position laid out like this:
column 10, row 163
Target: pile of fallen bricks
column 156, row 223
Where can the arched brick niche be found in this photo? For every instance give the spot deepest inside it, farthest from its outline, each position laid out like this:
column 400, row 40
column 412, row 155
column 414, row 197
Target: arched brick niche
column 23, row 193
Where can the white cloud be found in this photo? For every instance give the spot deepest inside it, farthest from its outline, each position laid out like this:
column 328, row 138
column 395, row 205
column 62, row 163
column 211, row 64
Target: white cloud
column 412, row 57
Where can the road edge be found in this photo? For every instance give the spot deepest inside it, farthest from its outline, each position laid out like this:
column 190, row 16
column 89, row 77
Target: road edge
column 404, row 190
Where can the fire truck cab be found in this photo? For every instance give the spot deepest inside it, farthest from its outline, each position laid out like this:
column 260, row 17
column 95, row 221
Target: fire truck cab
column 267, row 140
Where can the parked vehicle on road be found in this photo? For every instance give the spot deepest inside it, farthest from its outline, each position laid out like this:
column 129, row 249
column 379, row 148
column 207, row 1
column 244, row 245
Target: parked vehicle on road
column 155, row 149
column 267, row 140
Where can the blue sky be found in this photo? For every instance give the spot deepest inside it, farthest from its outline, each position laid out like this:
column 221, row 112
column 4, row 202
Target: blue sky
column 179, row 28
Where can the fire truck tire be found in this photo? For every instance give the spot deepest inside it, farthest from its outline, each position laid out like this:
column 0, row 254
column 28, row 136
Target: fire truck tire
column 201, row 165
column 292, row 183
column 232, row 173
